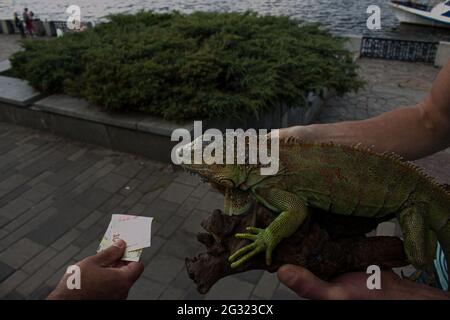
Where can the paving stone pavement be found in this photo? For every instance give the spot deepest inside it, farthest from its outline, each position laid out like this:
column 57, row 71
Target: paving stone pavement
column 8, row 45
column 57, row 197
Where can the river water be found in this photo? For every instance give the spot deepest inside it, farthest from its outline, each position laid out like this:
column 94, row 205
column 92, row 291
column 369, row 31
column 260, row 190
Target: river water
column 340, row 16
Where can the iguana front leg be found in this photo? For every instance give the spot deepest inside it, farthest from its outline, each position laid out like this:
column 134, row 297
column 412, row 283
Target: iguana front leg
column 419, row 240
column 293, row 212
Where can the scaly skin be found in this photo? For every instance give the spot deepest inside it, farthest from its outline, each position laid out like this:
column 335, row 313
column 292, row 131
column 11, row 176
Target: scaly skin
column 342, row 180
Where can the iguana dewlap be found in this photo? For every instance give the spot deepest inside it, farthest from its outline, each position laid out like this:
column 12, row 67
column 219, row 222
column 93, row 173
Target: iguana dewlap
column 342, row 180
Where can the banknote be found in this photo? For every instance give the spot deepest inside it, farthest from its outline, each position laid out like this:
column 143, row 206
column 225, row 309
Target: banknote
column 134, row 230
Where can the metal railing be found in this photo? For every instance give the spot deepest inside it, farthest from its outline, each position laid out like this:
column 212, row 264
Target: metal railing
column 403, row 50
column 41, row 28
column 55, row 25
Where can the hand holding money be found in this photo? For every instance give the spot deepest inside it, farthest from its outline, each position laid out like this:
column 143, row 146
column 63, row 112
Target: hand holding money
column 114, row 269
column 134, row 230
column 104, row 276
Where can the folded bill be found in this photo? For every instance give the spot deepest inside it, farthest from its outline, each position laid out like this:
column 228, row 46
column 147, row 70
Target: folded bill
column 134, row 230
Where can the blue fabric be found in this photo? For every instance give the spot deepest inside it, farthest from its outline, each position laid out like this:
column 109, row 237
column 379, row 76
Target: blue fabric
column 441, row 268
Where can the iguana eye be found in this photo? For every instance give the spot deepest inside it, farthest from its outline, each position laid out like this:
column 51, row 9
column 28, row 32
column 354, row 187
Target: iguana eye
column 228, row 183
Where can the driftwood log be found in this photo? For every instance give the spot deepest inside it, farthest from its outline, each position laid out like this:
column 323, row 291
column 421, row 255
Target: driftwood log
column 328, row 245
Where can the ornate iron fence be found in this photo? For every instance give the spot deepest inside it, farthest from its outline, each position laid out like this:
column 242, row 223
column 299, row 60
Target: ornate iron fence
column 404, row 50
column 58, row 25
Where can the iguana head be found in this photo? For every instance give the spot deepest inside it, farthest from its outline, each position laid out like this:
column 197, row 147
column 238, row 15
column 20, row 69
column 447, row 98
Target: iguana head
column 229, row 179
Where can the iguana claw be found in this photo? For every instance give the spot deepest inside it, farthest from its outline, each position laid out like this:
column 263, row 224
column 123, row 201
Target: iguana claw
column 262, row 241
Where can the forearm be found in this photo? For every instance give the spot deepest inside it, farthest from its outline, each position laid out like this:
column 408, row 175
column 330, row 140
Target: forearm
column 412, row 132
column 408, row 290
column 408, row 131
column 353, row 286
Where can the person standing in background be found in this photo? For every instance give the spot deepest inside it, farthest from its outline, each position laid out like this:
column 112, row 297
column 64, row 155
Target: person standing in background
column 27, row 21
column 29, row 24
column 19, row 24
column 25, row 16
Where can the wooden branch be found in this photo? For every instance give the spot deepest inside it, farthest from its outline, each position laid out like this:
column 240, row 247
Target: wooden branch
column 328, row 245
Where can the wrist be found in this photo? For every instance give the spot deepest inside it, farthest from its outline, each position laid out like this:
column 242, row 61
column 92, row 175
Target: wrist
column 61, row 292
column 308, row 133
column 409, row 290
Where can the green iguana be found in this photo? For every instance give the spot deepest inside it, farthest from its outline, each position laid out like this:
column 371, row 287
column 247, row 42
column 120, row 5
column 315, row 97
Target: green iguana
column 342, row 180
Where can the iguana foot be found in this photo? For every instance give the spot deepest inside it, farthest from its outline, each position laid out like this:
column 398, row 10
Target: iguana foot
column 262, row 241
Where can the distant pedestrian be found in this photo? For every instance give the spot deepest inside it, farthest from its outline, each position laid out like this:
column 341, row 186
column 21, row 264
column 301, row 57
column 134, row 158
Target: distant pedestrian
column 28, row 21
column 19, row 24
column 25, row 16
column 30, row 27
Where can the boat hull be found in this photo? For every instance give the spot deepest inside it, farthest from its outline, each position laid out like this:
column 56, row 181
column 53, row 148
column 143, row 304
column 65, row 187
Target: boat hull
column 413, row 16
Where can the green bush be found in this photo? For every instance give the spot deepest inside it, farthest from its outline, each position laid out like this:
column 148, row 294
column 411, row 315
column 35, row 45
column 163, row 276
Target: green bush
column 197, row 66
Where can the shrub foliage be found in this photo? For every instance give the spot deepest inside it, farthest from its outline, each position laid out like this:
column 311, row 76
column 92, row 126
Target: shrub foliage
column 196, row 66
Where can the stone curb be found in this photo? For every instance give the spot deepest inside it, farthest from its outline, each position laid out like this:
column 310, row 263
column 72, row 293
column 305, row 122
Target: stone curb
column 134, row 133
column 5, row 65
column 149, row 138
column 443, row 54
column 17, row 92
column 82, row 109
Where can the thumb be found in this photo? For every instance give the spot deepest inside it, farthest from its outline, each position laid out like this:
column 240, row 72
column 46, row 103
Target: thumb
column 307, row 285
column 111, row 254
